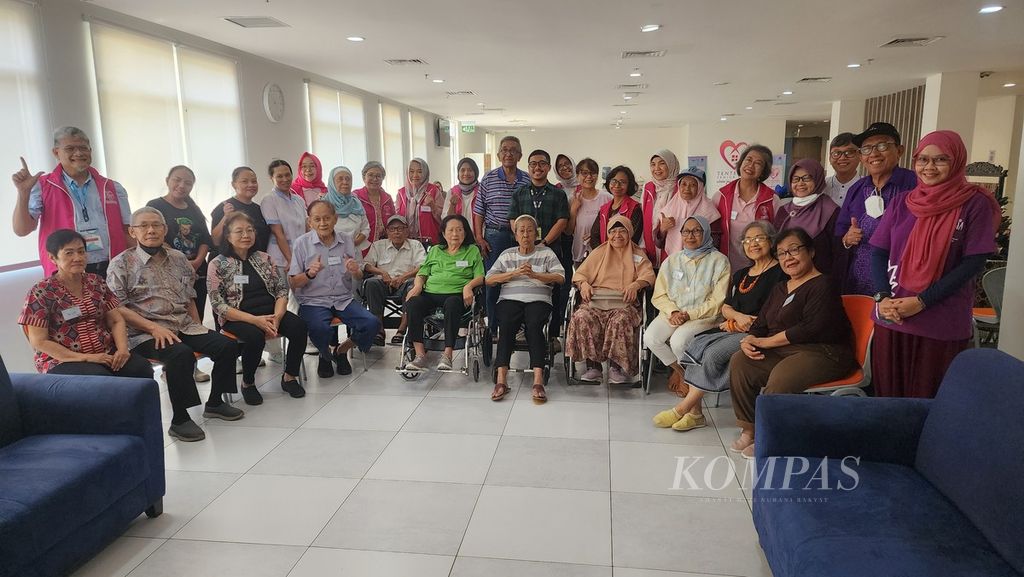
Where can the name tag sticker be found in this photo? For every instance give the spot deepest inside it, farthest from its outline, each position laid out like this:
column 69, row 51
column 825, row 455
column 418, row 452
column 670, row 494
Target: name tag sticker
column 734, row 215
column 462, row 263
column 71, row 313
column 426, row 208
column 638, row 258
column 93, row 241
column 788, row 300
column 678, row 275
column 333, row 260
column 384, row 261
column 241, row 279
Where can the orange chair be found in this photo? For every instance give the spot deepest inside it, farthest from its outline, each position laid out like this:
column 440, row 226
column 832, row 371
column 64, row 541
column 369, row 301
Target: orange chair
column 859, row 310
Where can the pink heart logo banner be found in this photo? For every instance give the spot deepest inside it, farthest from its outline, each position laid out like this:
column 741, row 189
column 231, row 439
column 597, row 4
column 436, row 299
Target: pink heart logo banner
column 731, row 152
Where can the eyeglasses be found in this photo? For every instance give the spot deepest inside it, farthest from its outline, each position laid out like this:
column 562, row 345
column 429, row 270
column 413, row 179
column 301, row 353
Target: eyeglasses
column 753, row 161
column 754, row 239
column 795, row 251
column 244, row 231
column 938, row 161
column 400, row 228
column 880, row 147
column 508, row 151
column 150, row 225
column 69, row 150
column 837, row 154
column 804, row 178
column 617, row 182
column 538, row 164
column 586, row 173
column 373, row 176
column 692, row 232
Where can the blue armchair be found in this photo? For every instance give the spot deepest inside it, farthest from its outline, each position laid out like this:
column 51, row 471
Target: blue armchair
column 910, row 487
column 80, row 458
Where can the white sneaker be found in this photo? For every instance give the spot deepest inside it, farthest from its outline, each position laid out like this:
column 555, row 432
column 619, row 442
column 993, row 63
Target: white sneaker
column 445, row 364
column 200, row 376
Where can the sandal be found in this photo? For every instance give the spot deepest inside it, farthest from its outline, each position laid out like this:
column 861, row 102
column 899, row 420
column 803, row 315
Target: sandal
column 500, row 390
column 539, row 396
column 398, row 339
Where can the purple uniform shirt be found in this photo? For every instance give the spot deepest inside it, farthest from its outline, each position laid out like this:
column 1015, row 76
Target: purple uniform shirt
column 950, row 319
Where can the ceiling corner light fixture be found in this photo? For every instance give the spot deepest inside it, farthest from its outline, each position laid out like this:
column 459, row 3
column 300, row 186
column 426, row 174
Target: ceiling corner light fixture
column 853, row 65
column 355, row 38
column 652, row 27
column 1009, row 85
column 990, row 9
column 438, row 81
column 787, row 93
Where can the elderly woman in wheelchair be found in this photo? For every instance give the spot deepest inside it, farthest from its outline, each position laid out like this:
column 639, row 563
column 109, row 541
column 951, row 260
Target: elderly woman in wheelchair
column 447, row 279
column 606, row 325
column 525, row 273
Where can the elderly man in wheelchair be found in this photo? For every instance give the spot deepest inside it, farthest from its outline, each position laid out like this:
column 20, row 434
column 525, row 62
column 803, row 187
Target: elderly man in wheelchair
column 393, row 262
column 525, row 273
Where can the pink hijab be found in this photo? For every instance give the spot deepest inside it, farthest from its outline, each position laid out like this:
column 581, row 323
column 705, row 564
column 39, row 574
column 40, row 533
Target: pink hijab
column 681, row 209
column 300, row 182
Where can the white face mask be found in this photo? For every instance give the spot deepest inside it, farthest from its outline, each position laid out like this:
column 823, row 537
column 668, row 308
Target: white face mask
column 874, row 206
column 805, row 200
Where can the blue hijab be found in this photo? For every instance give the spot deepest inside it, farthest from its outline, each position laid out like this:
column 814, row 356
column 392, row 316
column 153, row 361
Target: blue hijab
column 344, row 204
column 707, row 246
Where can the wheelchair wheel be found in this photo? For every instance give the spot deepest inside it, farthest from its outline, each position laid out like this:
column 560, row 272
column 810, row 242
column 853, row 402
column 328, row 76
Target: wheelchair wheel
column 486, row 348
column 547, row 374
column 476, row 371
column 570, row 378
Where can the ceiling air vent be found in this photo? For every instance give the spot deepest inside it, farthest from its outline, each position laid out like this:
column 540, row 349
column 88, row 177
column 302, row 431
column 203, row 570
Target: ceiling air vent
column 912, row 42
column 766, row 100
column 256, row 22
column 625, row 104
column 474, row 114
column 460, row 93
column 641, row 86
column 784, row 103
column 809, row 79
column 493, row 109
column 728, row 114
column 643, row 53
column 405, row 62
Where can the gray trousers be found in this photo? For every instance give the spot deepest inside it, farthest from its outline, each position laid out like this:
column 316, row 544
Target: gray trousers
column 375, row 291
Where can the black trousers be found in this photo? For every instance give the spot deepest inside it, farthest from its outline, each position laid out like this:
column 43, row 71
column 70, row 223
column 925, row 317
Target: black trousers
column 200, row 288
column 251, row 341
column 375, row 290
column 560, row 294
column 179, row 362
column 137, row 366
column 421, row 305
column 511, row 316
column 98, row 268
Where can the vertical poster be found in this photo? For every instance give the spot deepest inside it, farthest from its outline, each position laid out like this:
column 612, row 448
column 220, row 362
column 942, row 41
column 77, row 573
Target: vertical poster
column 700, row 162
column 778, row 172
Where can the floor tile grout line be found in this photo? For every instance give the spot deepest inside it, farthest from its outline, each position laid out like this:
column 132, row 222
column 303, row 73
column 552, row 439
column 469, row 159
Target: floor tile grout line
column 143, row 560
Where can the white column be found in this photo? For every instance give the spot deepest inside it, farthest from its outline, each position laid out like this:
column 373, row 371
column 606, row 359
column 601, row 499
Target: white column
column 1011, row 321
column 950, row 103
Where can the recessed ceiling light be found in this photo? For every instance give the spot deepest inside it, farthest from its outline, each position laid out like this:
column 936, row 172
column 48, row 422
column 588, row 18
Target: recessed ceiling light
column 724, row 118
column 854, row 65
column 1009, row 85
column 990, row 9
column 622, row 112
column 750, row 108
column 799, row 125
column 635, row 73
column 627, row 97
column 438, row 81
column 480, row 104
column 533, row 130
column 617, row 127
column 355, row 39
column 650, row 27
column 787, row 92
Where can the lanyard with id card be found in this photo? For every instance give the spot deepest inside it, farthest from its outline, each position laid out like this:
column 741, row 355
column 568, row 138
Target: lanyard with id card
column 93, row 241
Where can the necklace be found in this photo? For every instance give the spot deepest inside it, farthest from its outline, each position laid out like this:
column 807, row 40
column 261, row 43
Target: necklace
column 745, row 288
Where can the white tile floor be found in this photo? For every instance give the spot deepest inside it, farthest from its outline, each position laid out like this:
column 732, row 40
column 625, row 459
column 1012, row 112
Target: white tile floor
column 374, row 476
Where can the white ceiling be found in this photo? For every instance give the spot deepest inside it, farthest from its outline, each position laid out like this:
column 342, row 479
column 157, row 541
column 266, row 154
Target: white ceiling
column 556, row 63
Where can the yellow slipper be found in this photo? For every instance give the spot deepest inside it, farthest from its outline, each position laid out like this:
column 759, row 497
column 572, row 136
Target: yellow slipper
column 666, row 419
column 689, row 422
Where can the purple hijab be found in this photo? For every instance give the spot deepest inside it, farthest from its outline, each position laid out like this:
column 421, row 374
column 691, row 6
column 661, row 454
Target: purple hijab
column 814, row 216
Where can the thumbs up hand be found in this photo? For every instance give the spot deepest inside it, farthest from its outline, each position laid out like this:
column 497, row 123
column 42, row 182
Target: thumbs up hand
column 854, row 235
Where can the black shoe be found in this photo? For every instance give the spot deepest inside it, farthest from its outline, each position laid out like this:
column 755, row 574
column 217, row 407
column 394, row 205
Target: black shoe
column 344, row 367
column 379, row 341
column 252, row 395
column 324, row 369
column 293, row 388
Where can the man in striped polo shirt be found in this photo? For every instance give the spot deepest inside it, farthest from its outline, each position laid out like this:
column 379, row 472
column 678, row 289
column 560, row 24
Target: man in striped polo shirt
column 490, row 210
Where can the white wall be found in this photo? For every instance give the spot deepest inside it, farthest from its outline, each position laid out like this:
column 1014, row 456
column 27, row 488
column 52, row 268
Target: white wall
column 993, row 130
column 712, row 138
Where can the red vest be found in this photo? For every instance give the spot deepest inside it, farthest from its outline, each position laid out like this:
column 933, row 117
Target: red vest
column 762, row 208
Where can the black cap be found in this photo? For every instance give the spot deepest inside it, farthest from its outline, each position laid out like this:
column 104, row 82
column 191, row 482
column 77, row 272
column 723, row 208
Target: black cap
column 876, row 129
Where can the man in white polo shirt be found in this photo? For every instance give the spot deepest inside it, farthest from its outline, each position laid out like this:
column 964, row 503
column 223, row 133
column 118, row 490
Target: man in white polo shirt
column 844, row 158
column 394, row 262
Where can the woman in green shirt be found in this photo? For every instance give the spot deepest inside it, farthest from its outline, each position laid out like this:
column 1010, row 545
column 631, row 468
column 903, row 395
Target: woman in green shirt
column 454, row 267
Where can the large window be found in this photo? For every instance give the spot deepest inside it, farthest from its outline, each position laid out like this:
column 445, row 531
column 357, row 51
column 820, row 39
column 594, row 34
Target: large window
column 27, row 129
column 418, row 135
column 391, row 136
column 177, row 106
column 337, row 129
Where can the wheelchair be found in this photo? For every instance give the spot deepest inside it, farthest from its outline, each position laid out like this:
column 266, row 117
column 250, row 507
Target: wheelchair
column 520, row 346
column 475, row 344
column 644, row 355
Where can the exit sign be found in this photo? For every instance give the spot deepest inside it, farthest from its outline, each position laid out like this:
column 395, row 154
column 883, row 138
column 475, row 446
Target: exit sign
column 469, row 128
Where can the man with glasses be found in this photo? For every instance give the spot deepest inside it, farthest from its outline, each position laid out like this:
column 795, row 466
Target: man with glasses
column 866, row 201
column 844, row 157
column 548, row 205
column 155, row 285
column 394, row 262
column 490, row 210
column 74, row 196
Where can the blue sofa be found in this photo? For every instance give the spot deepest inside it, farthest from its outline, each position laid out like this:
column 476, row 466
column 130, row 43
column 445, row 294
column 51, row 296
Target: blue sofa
column 938, row 490
column 80, row 458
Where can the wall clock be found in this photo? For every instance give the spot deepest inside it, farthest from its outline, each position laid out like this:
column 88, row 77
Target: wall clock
column 273, row 102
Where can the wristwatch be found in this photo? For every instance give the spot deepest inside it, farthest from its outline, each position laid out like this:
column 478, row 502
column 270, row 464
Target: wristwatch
column 881, row 295
column 308, row 275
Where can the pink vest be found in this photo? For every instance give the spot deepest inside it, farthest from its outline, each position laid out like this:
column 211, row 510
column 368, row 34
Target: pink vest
column 762, row 209
column 429, row 229
column 648, row 199
column 59, row 212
